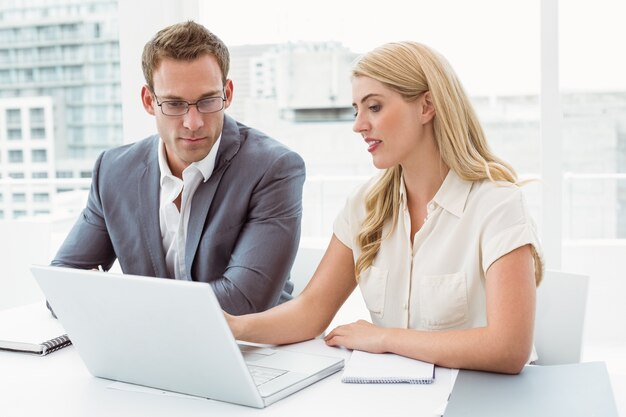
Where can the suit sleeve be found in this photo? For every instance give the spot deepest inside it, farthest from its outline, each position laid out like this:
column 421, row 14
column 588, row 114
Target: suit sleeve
column 266, row 248
column 88, row 245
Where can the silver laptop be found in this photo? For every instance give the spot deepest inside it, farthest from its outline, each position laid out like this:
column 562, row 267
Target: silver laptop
column 170, row 335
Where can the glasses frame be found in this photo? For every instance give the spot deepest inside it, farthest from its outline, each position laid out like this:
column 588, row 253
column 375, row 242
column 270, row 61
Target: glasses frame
column 160, row 104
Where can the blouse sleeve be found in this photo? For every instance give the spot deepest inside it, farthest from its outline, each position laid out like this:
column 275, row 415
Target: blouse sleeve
column 348, row 221
column 508, row 227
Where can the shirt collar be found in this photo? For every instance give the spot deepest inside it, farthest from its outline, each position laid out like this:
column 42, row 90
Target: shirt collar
column 453, row 193
column 205, row 166
column 451, row 196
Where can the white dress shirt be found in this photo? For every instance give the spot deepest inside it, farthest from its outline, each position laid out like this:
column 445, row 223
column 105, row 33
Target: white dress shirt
column 172, row 221
column 438, row 281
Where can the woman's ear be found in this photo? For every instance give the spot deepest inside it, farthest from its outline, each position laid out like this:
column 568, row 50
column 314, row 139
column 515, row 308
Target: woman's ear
column 427, row 106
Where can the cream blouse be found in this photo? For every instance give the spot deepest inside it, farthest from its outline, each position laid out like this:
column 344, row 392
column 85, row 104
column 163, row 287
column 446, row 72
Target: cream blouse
column 439, row 282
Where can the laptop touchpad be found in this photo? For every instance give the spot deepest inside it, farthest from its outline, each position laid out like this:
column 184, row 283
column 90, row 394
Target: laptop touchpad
column 255, row 353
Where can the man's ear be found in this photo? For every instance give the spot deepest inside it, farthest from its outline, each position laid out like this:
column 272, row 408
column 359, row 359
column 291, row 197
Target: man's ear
column 228, row 93
column 147, row 99
column 428, row 108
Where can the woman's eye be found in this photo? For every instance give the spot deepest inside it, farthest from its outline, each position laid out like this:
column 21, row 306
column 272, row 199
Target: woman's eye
column 375, row 107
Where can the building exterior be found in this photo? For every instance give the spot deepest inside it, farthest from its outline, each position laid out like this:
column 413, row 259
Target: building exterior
column 300, row 94
column 67, row 50
column 59, row 68
column 26, row 156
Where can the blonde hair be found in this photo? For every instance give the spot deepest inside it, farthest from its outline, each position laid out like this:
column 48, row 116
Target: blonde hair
column 411, row 69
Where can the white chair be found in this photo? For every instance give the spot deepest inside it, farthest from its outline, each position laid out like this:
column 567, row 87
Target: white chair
column 22, row 243
column 305, row 264
column 560, row 317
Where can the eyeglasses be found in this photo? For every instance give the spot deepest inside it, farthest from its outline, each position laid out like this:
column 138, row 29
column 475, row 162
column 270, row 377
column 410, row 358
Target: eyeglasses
column 180, row 107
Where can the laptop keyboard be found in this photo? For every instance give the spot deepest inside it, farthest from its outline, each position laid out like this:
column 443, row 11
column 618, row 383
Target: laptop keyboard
column 261, row 374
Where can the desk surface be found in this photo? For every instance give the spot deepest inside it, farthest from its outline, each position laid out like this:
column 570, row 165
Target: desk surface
column 59, row 385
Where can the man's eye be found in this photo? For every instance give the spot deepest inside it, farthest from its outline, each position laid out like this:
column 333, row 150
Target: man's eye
column 176, row 104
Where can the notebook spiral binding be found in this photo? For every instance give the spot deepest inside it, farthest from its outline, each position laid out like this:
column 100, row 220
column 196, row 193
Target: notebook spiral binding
column 55, row 344
column 350, row 380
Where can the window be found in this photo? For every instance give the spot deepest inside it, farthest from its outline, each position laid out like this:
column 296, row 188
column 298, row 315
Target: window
column 73, row 73
column 25, row 55
column 64, row 174
column 41, row 197
column 100, row 72
column 14, row 134
column 41, row 174
column 5, row 76
column 74, row 94
column 594, row 122
column 16, row 175
column 25, row 76
column 47, row 53
column 47, row 74
column 75, row 114
column 14, row 116
column 39, row 155
column 76, row 135
column 19, row 197
column 72, row 52
column 48, row 33
column 19, row 213
column 85, row 174
column 37, row 116
column 38, row 133
column 16, row 156
column 5, row 56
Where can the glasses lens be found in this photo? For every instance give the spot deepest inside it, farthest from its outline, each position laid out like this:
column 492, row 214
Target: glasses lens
column 210, row 105
column 174, row 108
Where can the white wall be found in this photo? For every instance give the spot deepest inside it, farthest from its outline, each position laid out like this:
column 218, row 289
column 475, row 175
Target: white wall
column 139, row 21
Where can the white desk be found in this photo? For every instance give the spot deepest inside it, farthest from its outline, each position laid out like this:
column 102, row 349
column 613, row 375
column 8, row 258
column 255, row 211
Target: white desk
column 59, row 385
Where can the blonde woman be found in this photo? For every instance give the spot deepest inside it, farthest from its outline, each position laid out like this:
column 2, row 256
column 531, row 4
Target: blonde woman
column 440, row 244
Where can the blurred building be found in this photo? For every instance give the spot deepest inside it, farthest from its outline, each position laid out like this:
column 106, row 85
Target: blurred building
column 60, row 95
column 26, row 156
column 67, row 50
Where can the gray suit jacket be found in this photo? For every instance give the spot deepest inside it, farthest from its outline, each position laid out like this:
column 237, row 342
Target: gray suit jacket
column 244, row 225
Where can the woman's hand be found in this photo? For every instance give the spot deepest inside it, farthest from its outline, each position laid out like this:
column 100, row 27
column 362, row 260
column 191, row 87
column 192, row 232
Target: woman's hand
column 360, row 335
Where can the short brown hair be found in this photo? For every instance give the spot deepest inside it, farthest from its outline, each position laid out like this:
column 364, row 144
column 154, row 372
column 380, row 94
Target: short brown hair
column 185, row 42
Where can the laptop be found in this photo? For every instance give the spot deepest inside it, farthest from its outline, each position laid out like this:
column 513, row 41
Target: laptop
column 171, row 335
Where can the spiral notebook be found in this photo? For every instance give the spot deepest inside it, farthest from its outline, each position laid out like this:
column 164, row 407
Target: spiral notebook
column 31, row 329
column 382, row 368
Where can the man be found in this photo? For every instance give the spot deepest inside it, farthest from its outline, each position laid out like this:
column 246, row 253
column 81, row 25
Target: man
column 207, row 199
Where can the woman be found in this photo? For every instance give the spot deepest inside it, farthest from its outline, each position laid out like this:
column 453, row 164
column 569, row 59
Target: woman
column 440, row 244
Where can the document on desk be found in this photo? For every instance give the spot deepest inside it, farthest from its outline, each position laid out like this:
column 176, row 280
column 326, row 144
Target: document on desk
column 381, row 368
column 32, row 329
column 573, row 390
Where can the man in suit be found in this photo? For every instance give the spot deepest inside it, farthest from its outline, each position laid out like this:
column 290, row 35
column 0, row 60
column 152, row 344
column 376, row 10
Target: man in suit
column 207, row 198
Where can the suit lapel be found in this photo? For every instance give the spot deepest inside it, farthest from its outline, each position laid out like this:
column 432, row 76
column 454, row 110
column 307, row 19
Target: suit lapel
column 148, row 190
column 203, row 197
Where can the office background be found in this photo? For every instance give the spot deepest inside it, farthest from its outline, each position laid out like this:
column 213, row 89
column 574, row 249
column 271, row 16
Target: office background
column 546, row 78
